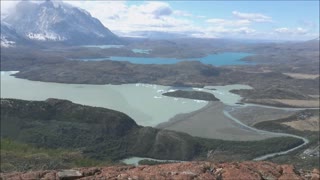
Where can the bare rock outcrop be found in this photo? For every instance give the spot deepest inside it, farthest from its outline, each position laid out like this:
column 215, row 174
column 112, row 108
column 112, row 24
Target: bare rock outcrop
column 186, row 170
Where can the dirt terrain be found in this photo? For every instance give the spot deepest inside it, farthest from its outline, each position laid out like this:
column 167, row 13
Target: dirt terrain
column 187, row 171
column 298, row 103
column 251, row 115
column 309, row 124
column 210, row 122
column 302, row 76
column 314, row 103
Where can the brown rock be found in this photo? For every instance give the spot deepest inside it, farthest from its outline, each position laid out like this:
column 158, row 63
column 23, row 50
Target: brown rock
column 288, row 172
column 315, row 174
column 50, row 176
column 91, row 171
column 186, row 170
column 266, row 170
column 315, row 171
column 239, row 171
column 69, row 174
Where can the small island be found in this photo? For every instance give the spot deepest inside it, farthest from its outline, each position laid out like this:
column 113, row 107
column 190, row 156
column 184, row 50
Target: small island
column 198, row 95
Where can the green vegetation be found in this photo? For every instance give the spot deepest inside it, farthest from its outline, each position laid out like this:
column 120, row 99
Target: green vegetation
column 199, row 95
column 277, row 126
column 250, row 149
column 272, row 93
column 57, row 133
column 298, row 157
column 16, row 156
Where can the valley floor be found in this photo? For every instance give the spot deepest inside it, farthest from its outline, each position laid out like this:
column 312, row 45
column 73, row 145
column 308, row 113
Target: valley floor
column 210, row 122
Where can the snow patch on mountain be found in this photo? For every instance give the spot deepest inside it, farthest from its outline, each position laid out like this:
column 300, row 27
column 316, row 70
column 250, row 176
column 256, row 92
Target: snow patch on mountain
column 58, row 21
column 6, row 43
column 45, row 37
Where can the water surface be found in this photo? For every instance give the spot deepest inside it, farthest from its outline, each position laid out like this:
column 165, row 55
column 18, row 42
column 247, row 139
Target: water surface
column 141, row 51
column 103, row 46
column 223, row 93
column 135, row 160
column 222, row 59
column 142, row 102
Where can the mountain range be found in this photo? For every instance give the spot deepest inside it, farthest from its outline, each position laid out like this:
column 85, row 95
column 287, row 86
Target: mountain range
column 53, row 22
column 58, row 22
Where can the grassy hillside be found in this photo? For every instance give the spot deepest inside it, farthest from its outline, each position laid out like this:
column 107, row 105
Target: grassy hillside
column 55, row 129
column 299, row 158
column 17, row 156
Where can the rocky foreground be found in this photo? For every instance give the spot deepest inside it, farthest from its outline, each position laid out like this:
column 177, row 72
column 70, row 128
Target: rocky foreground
column 188, row 170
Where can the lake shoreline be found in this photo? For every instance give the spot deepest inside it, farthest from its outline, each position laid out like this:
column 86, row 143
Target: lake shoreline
column 126, row 98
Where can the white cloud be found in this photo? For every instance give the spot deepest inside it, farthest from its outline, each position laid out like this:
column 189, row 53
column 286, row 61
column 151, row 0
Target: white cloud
column 229, row 27
column 309, row 24
column 122, row 18
column 297, row 33
column 149, row 16
column 225, row 22
column 182, row 13
column 157, row 9
column 282, row 30
column 244, row 30
column 102, row 10
column 220, row 31
column 199, row 16
column 203, row 35
column 217, row 30
column 6, row 7
column 160, row 16
column 255, row 17
column 292, row 31
column 300, row 30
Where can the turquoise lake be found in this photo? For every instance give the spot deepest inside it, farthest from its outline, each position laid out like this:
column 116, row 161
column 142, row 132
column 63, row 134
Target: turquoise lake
column 143, row 102
column 221, row 59
column 103, row 46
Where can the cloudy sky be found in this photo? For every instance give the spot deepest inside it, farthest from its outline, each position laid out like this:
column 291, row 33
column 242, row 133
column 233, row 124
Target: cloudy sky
column 276, row 20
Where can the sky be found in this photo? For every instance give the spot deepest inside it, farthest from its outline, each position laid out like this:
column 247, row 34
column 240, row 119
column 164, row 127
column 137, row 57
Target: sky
column 269, row 20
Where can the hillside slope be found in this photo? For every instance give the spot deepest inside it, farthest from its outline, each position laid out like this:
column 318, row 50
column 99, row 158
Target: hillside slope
column 32, row 131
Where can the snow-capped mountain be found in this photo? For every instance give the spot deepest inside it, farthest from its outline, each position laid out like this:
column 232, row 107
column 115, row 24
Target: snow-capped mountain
column 9, row 37
column 58, row 22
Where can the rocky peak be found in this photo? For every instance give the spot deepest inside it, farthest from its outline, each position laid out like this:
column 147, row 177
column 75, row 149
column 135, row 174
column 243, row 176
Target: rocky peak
column 57, row 21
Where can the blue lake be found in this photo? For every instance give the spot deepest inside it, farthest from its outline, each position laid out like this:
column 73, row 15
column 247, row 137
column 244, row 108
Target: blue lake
column 141, row 51
column 221, row 59
column 103, row 46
